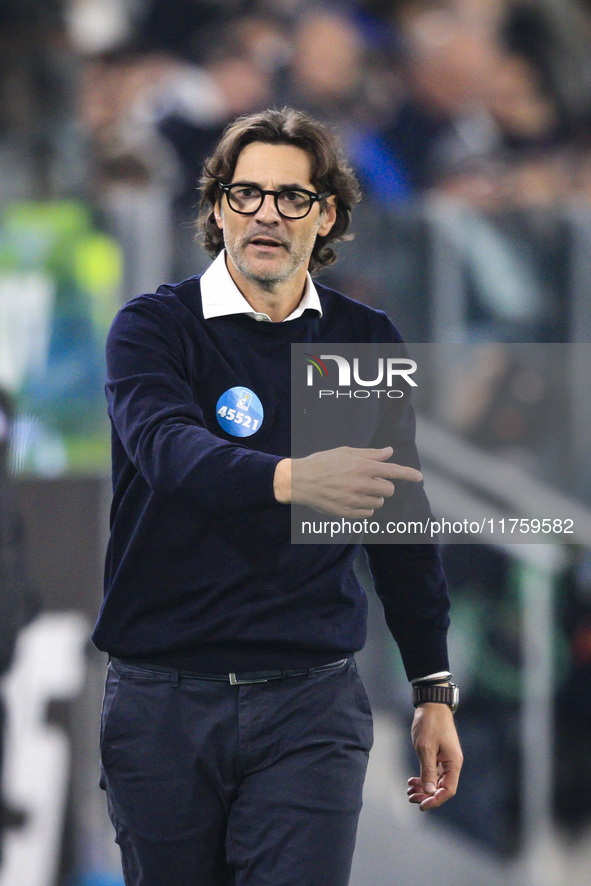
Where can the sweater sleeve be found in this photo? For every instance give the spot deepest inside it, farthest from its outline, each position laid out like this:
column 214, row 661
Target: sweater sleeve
column 161, row 426
column 410, row 582
column 409, row 578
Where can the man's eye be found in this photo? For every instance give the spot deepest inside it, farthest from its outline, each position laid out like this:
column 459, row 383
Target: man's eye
column 245, row 193
column 293, row 196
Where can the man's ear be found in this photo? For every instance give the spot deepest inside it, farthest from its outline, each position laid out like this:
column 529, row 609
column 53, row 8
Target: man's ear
column 329, row 216
column 217, row 211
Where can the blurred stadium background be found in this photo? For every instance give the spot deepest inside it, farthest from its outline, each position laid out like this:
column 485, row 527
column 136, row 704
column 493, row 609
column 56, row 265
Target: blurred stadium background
column 469, row 122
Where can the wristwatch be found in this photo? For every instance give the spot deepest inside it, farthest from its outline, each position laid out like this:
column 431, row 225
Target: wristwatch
column 447, row 693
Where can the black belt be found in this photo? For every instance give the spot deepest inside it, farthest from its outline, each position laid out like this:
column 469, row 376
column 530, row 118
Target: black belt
column 233, row 679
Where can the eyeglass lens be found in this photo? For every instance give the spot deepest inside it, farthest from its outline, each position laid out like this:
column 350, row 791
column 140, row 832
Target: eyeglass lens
column 290, row 203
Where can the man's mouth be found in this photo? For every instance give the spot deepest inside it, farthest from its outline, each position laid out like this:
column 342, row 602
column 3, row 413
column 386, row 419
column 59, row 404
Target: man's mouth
column 262, row 242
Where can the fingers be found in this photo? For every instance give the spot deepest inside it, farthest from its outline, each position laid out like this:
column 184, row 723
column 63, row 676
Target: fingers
column 389, row 471
column 416, row 792
column 377, row 487
column 345, row 481
column 370, row 490
column 437, row 746
column 376, row 454
column 402, row 472
column 362, row 507
column 432, row 795
column 428, row 772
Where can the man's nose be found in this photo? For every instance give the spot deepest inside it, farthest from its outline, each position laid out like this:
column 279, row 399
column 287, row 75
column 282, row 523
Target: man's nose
column 267, row 212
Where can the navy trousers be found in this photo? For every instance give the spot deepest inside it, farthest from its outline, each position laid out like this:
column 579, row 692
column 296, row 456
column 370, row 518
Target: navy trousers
column 210, row 784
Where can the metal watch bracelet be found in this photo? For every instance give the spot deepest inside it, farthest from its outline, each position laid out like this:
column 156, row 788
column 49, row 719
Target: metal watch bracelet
column 448, row 693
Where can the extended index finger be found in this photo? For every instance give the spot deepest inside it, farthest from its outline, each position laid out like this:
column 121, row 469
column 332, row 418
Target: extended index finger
column 392, row 471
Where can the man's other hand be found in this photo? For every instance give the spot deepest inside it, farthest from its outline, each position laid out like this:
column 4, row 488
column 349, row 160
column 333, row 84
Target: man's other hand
column 437, row 746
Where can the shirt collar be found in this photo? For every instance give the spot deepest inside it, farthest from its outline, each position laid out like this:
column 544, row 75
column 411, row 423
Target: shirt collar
column 220, row 296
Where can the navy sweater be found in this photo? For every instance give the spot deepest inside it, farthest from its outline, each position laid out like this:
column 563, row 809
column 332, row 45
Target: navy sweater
column 200, row 572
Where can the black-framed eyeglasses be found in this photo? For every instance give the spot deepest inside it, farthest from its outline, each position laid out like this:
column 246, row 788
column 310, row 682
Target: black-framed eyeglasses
column 290, row 202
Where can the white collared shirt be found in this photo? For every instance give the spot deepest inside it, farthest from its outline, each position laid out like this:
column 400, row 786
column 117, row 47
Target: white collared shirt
column 221, row 297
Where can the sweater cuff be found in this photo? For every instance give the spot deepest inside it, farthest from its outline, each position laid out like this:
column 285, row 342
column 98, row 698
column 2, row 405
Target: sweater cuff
column 255, row 486
column 425, row 655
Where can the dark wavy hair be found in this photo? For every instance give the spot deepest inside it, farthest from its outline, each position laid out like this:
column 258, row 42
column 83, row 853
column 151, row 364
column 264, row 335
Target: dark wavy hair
column 330, row 171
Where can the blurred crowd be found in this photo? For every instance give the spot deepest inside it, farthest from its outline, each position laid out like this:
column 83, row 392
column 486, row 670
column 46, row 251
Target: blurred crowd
column 487, row 101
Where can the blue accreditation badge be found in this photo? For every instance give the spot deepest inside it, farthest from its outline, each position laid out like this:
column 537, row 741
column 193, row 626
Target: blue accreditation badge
column 239, row 412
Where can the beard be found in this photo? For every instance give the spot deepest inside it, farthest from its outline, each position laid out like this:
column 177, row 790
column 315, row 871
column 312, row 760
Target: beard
column 271, row 270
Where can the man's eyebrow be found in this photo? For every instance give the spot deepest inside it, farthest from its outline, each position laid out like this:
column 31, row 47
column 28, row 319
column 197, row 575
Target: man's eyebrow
column 289, row 186
column 294, row 186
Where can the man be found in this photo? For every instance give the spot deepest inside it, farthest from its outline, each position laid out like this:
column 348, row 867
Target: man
column 235, row 729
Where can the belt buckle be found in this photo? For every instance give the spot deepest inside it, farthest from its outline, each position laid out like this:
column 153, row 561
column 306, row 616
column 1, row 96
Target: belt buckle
column 236, row 681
